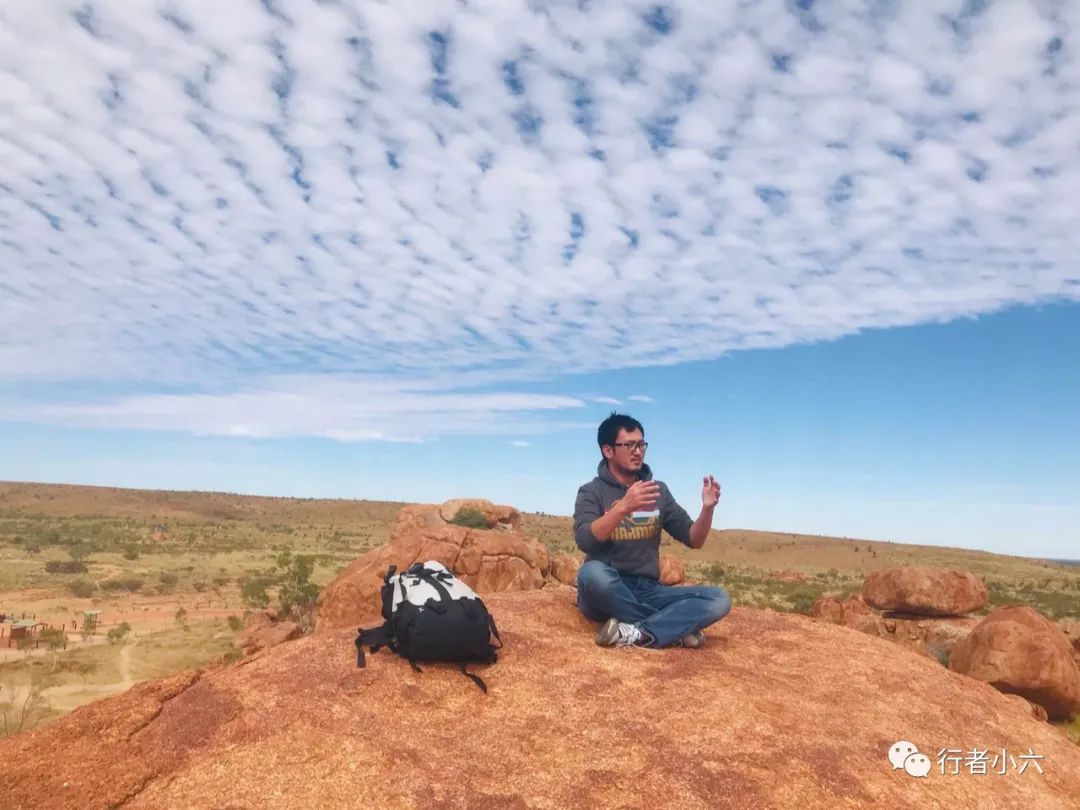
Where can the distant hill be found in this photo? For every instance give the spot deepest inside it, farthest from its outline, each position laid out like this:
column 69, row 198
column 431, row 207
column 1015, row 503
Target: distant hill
column 744, row 548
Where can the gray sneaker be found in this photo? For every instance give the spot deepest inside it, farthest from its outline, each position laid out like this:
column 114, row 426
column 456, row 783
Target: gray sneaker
column 614, row 633
column 693, row 641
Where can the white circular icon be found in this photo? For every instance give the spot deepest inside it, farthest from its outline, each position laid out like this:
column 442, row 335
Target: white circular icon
column 900, row 751
column 917, row 765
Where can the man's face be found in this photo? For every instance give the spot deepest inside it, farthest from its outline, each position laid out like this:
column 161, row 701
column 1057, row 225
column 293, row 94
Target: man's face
column 628, row 458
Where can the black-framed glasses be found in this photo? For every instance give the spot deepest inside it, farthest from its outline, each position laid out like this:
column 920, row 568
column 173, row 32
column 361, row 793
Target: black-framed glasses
column 632, row 446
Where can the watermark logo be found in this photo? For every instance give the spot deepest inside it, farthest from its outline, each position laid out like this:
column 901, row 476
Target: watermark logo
column 905, row 755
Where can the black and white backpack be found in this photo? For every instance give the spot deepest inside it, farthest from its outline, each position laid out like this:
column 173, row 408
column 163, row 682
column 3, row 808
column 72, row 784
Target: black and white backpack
column 431, row 615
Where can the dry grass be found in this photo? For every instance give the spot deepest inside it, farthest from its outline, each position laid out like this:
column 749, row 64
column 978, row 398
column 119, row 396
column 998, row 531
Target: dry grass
column 190, row 550
column 67, row 683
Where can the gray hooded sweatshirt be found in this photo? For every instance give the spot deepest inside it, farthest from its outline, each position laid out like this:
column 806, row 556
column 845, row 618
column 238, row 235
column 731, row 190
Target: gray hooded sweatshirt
column 634, row 546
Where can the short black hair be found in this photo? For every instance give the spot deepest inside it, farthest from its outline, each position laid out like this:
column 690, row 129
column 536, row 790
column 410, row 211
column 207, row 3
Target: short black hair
column 608, row 431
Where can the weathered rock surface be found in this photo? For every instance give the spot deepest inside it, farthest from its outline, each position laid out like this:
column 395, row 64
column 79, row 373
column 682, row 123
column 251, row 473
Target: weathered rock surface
column 672, row 570
column 935, row 636
column 832, row 609
column 262, row 630
column 1019, row 651
column 487, row 560
column 1037, row 711
column 506, row 517
column 564, row 569
column 925, row 591
column 566, row 724
column 1071, row 629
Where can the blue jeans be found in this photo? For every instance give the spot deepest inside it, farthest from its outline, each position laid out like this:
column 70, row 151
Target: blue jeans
column 665, row 612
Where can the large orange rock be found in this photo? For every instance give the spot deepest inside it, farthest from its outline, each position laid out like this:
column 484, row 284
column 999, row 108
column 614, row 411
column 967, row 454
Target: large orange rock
column 1017, row 650
column 830, row 608
column 672, row 570
column 565, row 724
column 496, row 515
column 564, row 569
column 487, row 560
column 1071, row 629
column 925, row 591
column 935, row 636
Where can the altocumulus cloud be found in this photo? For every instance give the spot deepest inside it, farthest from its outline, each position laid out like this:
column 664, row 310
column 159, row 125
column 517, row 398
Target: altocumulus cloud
column 250, row 203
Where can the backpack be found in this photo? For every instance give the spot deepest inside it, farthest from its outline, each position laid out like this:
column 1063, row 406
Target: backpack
column 431, row 615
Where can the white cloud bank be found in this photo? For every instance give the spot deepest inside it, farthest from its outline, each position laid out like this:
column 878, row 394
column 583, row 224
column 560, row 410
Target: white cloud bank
column 196, row 193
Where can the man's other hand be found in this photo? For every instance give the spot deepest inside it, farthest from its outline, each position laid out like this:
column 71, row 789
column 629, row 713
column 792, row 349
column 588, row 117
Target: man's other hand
column 710, row 492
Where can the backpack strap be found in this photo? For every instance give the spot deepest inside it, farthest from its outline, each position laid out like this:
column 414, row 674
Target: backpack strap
column 376, row 637
column 435, row 580
column 494, row 631
column 474, row 678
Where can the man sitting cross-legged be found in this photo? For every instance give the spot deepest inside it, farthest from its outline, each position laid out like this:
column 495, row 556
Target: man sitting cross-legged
column 618, row 518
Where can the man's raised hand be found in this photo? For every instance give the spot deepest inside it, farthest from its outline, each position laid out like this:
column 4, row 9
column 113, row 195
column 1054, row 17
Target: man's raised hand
column 710, row 492
column 641, row 496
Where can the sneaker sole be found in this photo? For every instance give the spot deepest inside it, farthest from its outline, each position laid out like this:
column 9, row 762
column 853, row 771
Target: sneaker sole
column 608, row 634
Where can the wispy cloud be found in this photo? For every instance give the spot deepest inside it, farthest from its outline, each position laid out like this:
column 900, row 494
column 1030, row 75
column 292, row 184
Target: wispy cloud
column 640, row 398
column 606, row 400
column 349, row 409
column 520, row 443
column 196, row 194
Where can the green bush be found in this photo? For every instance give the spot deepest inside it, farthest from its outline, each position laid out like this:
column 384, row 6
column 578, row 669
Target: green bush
column 470, row 518
column 131, row 553
column 297, row 594
column 802, row 600
column 82, row 588
column 116, row 634
column 235, row 623
column 713, row 573
column 253, row 591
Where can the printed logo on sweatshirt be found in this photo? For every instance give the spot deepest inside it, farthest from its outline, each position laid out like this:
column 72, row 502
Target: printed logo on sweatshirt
column 638, row 526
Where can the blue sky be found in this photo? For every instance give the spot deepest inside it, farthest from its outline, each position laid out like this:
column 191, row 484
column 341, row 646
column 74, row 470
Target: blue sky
column 414, row 252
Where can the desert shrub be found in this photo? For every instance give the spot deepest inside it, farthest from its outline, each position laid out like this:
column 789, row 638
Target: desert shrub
column 82, row 588
column 199, row 586
column 88, row 627
column 65, row 567
column 470, row 518
column 221, row 582
column 235, row 623
column 54, row 640
column 713, row 573
column 804, row 599
column 117, row 634
column 79, row 550
column 33, row 548
column 168, row 578
column 297, row 594
column 122, row 584
column 253, row 591
column 131, row 553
